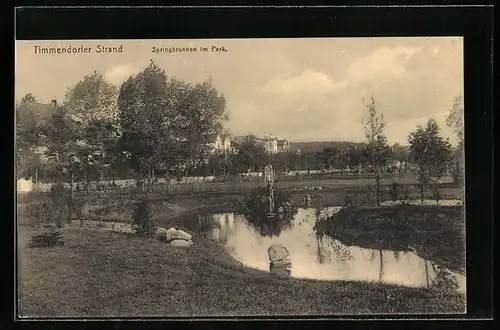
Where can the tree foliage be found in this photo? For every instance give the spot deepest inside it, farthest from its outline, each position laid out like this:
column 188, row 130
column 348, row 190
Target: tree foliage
column 200, row 113
column 91, row 100
column 29, row 132
column 251, row 154
column 92, row 105
column 62, row 141
column 146, row 118
column 167, row 124
column 377, row 149
column 431, row 152
column 28, row 98
column 455, row 119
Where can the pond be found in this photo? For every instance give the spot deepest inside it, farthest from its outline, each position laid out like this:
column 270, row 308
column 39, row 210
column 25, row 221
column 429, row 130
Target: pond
column 319, row 257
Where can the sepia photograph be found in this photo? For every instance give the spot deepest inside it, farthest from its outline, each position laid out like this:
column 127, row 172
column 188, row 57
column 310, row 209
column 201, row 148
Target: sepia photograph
column 240, row 177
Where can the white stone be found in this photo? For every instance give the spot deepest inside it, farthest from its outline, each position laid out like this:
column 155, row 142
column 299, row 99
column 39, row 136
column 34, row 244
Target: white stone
column 181, row 234
column 181, row 243
column 170, row 234
column 173, row 233
column 161, row 234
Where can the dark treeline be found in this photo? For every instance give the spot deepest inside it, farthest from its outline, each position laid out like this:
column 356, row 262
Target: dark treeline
column 154, row 125
column 151, row 125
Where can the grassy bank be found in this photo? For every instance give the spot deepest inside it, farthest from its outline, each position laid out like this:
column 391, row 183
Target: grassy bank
column 168, row 207
column 435, row 233
column 111, row 274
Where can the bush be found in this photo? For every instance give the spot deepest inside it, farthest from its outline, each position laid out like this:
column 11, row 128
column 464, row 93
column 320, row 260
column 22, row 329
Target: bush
column 436, row 194
column 49, row 239
column 394, row 192
column 55, row 209
column 77, row 206
column 39, row 213
column 143, row 221
column 61, row 202
column 256, row 208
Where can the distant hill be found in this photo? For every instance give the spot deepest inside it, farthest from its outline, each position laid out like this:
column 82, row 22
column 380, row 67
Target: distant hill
column 321, row 145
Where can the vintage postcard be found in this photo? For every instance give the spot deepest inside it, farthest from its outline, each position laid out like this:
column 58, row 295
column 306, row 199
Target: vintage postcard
column 240, row 177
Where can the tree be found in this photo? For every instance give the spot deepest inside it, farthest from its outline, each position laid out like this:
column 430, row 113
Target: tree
column 376, row 146
column 200, row 114
column 455, row 121
column 28, row 135
column 167, row 124
column 62, row 136
column 28, row 98
column 62, row 141
column 281, row 162
column 143, row 221
column 251, row 154
column 431, row 153
column 92, row 102
column 146, row 117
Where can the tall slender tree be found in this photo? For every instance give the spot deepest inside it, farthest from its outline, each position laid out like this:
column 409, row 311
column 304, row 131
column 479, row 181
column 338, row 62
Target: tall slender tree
column 376, row 146
column 455, row 121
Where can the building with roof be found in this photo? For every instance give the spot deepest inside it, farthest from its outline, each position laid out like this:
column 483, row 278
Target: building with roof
column 222, row 144
column 283, row 145
column 226, row 143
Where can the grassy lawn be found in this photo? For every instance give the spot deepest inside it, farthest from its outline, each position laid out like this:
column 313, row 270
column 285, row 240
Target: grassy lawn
column 111, row 274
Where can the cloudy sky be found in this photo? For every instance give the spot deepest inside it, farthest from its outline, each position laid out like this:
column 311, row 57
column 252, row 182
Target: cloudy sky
column 300, row 89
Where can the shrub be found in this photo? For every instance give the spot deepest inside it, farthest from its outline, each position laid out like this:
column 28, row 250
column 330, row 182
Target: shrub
column 61, row 201
column 394, row 192
column 256, row 208
column 49, row 239
column 77, row 206
column 39, row 213
column 44, row 210
column 143, row 221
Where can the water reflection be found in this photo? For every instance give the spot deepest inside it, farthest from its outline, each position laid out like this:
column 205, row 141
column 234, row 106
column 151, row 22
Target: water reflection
column 320, row 256
column 269, row 221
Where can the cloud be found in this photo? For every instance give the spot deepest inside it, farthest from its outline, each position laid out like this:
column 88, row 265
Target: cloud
column 119, row 73
column 382, row 61
column 309, row 82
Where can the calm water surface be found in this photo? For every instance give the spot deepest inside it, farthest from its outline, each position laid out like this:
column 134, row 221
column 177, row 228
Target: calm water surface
column 314, row 257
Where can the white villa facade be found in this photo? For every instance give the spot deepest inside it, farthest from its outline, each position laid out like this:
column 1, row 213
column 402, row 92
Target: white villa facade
column 225, row 143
